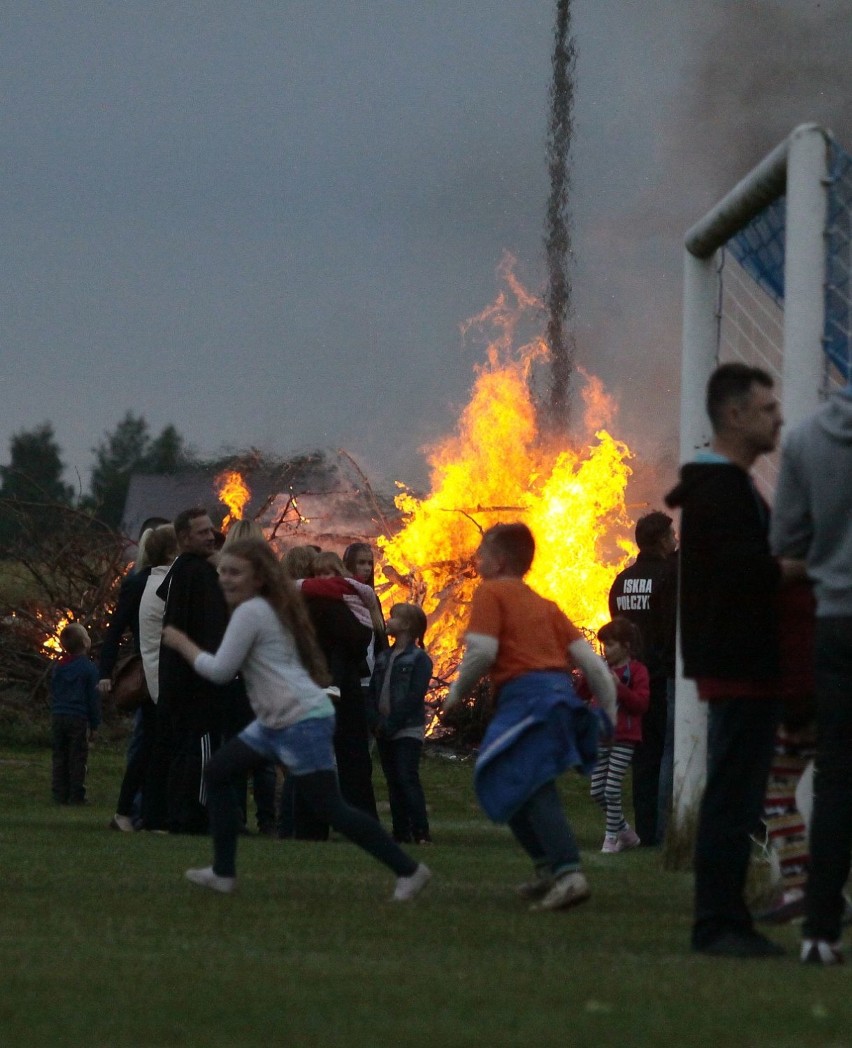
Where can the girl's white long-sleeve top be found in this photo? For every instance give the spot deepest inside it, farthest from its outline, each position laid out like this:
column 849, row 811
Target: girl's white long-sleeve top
column 256, row 644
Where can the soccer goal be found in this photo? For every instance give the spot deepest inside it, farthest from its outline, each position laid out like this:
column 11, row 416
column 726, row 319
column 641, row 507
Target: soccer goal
column 767, row 280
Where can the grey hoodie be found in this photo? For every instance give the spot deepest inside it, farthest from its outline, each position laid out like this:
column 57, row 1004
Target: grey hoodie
column 812, row 516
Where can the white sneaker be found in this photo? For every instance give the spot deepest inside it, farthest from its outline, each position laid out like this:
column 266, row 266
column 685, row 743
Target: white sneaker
column 407, row 887
column 206, row 878
column 570, row 889
column 122, row 823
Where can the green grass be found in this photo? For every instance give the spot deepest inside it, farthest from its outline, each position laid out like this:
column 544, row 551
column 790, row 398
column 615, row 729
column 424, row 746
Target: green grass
column 104, row 944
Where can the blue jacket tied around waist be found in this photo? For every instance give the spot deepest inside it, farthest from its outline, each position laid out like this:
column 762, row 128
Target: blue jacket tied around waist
column 539, row 729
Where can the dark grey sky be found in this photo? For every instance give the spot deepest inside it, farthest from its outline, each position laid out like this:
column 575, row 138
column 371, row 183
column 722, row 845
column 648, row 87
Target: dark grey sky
column 264, row 222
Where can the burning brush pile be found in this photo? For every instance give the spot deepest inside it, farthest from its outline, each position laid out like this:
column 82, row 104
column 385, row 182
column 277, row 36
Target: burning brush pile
column 64, row 567
column 501, row 465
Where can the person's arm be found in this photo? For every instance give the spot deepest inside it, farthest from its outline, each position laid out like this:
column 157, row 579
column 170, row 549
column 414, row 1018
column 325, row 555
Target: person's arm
column 126, row 607
column 223, row 665
column 93, row 699
column 479, row 656
column 421, row 674
column 791, row 526
column 634, row 697
column 597, row 674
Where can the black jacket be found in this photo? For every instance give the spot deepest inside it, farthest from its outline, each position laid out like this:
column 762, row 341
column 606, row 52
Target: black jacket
column 728, row 576
column 646, row 594
column 195, row 604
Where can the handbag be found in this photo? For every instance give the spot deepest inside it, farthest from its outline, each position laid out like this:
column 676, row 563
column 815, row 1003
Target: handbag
column 129, row 687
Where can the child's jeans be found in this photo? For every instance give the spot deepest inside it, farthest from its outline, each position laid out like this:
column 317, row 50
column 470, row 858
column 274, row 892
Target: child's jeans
column 401, row 765
column 541, row 829
column 70, row 754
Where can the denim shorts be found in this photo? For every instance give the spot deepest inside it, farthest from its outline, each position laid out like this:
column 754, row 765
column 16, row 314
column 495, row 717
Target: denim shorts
column 302, row 747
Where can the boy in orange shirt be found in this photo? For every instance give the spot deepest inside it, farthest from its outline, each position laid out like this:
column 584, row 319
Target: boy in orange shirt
column 539, row 727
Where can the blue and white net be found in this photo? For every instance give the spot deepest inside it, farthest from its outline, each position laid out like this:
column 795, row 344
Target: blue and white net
column 751, row 290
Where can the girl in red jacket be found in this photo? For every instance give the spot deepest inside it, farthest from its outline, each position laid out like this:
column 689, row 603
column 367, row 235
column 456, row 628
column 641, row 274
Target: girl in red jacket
column 621, row 642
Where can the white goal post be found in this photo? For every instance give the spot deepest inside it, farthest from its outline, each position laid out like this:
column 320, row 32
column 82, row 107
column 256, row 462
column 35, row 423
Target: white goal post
column 796, row 174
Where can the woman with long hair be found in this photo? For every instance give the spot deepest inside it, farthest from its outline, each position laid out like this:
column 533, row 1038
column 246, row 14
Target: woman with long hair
column 270, row 640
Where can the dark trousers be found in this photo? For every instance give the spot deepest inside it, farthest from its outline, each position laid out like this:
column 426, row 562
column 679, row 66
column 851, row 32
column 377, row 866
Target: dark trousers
column 155, row 814
column 70, row 754
column 318, row 789
column 401, row 766
column 541, row 829
column 647, row 760
column 740, row 738
column 138, row 758
column 354, row 768
column 193, row 742
column 831, row 822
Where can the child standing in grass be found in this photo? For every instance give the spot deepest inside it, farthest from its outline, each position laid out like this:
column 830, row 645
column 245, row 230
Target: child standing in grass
column 270, row 641
column 75, row 714
column 539, row 728
column 396, row 708
column 621, row 642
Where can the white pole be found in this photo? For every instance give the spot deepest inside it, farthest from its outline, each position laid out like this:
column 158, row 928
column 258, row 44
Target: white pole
column 804, row 272
column 700, row 341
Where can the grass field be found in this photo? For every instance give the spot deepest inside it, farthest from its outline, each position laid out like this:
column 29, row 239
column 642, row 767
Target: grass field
column 104, row 943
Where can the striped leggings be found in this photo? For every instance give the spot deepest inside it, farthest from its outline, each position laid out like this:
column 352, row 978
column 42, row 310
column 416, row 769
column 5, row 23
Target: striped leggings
column 607, row 778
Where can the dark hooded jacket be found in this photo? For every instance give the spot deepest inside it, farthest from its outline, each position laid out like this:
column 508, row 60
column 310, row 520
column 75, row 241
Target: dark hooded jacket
column 728, row 576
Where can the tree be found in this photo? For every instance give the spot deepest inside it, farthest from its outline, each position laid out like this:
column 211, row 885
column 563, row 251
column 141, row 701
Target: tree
column 129, row 449
column 31, row 482
column 35, row 471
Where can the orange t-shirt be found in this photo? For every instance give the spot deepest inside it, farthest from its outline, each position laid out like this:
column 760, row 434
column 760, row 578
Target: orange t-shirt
column 533, row 633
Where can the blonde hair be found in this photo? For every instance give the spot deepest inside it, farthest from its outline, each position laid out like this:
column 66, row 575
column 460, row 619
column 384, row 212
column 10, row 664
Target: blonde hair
column 328, row 561
column 74, row 639
column 297, row 561
column 277, row 588
column 161, row 546
column 242, row 529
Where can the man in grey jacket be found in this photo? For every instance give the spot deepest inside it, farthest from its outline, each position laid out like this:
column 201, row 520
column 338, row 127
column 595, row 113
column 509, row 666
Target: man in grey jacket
column 812, row 522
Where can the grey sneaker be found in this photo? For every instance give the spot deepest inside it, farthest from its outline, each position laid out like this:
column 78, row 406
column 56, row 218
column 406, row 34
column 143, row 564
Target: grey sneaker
column 122, row 823
column 407, row 887
column 206, row 878
column 569, row 889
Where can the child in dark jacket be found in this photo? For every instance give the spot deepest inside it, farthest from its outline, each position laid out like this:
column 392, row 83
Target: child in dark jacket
column 397, row 713
column 76, row 712
column 621, row 642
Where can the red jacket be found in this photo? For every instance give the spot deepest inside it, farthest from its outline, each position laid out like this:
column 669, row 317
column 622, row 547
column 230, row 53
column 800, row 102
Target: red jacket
column 632, row 692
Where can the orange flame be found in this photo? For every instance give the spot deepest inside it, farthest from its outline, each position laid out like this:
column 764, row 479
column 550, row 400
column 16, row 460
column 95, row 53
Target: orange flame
column 498, row 467
column 233, row 491
column 51, row 643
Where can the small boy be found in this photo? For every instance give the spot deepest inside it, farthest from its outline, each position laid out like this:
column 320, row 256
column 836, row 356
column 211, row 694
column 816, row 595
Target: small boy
column 539, row 727
column 75, row 705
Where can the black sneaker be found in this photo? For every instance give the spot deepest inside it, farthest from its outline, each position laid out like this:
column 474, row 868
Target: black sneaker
column 741, row 944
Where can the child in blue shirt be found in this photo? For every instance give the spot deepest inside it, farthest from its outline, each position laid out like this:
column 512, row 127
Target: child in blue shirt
column 76, row 713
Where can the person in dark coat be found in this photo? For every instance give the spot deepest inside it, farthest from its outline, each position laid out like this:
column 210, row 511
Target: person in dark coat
column 194, row 603
column 646, row 594
column 730, row 645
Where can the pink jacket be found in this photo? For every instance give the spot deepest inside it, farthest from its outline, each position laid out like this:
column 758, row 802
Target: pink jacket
column 633, row 692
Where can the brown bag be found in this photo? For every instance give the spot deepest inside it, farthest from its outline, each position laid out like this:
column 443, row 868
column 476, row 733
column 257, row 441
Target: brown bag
column 129, row 688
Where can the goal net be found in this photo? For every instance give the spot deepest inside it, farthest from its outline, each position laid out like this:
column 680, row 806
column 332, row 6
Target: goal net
column 768, row 281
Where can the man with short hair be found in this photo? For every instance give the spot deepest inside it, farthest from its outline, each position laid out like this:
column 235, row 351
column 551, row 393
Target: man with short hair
column 729, row 638
column 646, row 594
column 813, row 523
column 193, row 603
